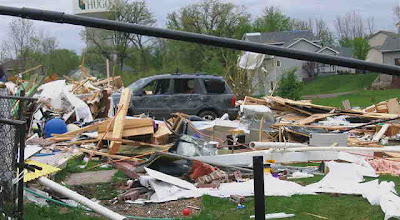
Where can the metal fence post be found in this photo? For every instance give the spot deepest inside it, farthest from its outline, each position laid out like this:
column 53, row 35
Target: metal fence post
column 259, row 195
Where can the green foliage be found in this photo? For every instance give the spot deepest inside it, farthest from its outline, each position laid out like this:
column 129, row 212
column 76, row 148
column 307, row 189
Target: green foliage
column 212, row 17
column 62, row 61
column 110, row 43
column 361, row 48
column 273, row 20
column 329, row 84
column 290, row 86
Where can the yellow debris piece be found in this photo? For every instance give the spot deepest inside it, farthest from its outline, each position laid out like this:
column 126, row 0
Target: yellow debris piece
column 46, row 170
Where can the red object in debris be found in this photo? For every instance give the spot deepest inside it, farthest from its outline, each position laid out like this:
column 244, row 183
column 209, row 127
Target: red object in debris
column 186, row 212
column 233, row 101
column 200, row 169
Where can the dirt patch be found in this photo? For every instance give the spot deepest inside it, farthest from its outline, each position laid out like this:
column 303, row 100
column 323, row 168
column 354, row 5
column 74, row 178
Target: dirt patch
column 171, row 209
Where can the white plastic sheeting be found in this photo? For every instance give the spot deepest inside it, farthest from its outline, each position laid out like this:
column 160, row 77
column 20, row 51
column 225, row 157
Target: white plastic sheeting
column 54, row 92
column 251, row 61
column 344, row 178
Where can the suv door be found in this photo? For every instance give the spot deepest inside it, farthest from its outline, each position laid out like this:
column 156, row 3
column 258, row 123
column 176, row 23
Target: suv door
column 153, row 98
column 186, row 96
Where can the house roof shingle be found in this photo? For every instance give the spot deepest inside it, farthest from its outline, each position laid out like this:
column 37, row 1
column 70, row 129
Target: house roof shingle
column 392, row 42
column 281, row 36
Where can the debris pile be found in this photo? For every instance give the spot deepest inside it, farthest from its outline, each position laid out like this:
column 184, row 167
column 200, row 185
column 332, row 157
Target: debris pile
column 187, row 157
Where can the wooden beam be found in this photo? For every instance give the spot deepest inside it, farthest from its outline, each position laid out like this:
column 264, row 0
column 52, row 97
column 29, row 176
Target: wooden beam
column 380, row 133
column 313, row 118
column 118, row 157
column 120, row 119
column 31, row 69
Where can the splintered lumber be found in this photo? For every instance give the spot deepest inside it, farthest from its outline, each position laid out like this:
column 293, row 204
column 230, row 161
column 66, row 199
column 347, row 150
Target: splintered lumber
column 393, row 106
column 162, row 134
column 81, row 130
column 380, row 133
column 346, row 104
column 132, row 127
column 313, row 118
column 31, row 69
column 130, row 124
column 253, row 101
column 284, row 101
column 119, row 122
column 118, row 157
column 105, row 81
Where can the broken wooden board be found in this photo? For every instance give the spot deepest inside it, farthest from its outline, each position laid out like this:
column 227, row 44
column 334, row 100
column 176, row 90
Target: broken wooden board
column 391, row 131
column 131, row 123
column 380, row 133
column 81, row 130
column 162, row 134
column 313, row 118
column 346, row 104
column 253, row 101
column 129, row 132
column 119, row 122
column 118, row 157
column 393, row 106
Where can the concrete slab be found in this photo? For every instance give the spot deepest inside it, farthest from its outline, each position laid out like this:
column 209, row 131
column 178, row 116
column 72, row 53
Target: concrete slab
column 93, row 177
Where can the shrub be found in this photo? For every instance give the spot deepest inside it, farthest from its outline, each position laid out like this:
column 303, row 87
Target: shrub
column 290, row 86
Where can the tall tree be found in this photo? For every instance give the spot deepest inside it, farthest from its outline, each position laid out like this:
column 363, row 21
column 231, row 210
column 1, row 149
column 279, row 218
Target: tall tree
column 273, row 20
column 18, row 44
column 353, row 31
column 322, row 31
column 212, row 17
column 107, row 43
column 353, row 25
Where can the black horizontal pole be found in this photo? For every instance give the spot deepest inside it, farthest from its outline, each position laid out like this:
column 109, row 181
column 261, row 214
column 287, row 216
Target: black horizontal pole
column 19, row 98
column 60, row 17
column 12, row 122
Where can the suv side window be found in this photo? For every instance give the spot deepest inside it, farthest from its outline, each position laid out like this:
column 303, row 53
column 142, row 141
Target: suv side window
column 157, row 87
column 185, row 86
column 214, row 86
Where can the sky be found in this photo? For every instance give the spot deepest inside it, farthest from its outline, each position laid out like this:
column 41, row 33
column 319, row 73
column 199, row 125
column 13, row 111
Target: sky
column 69, row 36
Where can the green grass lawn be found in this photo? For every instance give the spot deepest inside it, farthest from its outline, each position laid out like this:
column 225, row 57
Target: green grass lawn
column 338, row 83
column 34, row 212
column 362, row 98
column 331, row 207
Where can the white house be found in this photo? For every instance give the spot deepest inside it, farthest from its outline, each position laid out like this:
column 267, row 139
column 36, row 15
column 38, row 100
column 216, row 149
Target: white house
column 267, row 70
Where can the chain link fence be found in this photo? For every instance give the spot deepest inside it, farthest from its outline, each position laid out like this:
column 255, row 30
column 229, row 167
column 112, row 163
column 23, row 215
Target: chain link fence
column 8, row 160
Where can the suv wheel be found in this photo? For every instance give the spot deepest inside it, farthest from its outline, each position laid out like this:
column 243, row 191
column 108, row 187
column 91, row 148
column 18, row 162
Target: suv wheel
column 208, row 115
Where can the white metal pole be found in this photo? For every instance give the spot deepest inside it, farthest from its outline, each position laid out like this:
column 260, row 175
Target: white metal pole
column 256, row 144
column 81, row 199
column 373, row 149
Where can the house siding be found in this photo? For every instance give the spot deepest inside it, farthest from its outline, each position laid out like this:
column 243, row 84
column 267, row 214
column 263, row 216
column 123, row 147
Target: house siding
column 389, row 57
column 377, row 40
column 305, row 46
column 374, row 55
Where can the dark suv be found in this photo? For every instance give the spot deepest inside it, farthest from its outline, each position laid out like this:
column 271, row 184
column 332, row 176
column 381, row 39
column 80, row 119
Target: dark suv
column 207, row 96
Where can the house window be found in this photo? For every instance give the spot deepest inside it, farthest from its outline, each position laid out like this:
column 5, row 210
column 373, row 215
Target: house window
column 397, row 61
column 278, row 63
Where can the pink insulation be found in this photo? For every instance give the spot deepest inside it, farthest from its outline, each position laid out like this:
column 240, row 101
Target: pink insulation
column 386, row 166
